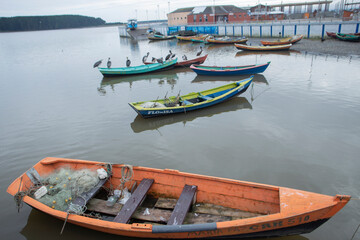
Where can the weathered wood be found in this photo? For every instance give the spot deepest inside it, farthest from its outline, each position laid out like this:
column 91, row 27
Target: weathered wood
column 153, row 214
column 182, row 205
column 99, row 205
column 134, row 201
column 142, row 213
column 166, row 203
column 83, row 199
column 207, row 208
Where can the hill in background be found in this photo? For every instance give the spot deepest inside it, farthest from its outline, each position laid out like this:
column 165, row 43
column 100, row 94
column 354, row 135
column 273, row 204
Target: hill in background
column 33, row 23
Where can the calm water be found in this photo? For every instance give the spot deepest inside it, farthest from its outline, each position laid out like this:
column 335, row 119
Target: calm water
column 297, row 126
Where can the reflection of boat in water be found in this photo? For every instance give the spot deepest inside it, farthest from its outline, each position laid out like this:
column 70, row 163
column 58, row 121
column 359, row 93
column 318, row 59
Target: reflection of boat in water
column 258, row 78
column 170, row 77
column 140, row 124
column 247, row 53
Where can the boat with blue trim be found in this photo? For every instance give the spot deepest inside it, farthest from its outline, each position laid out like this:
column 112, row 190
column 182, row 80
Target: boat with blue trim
column 123, row 71
column 190, row 102
column 229, row 70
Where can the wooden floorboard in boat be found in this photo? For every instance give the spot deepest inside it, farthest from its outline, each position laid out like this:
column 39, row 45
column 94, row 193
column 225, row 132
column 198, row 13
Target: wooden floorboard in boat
column 207, row 208
column 154, row 214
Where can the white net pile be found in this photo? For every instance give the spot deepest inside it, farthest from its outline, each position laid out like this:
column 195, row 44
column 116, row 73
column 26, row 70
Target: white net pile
column 66, row 184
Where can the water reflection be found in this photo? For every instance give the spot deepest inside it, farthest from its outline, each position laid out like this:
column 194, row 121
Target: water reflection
column 140, row 124
column 258, row 78
column 39, row 223
column 284, row 53
column 168, row 77
column 164, row 43
column 134, row 44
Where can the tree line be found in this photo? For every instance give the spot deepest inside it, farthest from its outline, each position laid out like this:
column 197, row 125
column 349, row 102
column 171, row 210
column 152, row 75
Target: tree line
column 33, row 23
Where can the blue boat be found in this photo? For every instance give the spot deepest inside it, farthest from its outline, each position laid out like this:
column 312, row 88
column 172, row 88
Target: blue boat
column 192, row 101
column 132, row 24
column 123, row 71
column 229, row 70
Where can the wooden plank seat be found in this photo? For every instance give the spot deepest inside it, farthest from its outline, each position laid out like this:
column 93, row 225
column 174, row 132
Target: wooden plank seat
column 134, row 201
column 183, row 205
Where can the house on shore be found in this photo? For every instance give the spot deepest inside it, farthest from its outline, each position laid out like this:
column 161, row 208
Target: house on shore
column 221, row 14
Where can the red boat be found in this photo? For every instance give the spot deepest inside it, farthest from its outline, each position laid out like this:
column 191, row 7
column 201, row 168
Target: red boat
column 187, row 63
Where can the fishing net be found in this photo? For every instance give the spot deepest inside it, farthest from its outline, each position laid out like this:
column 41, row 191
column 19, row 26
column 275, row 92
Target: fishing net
column 66, row 184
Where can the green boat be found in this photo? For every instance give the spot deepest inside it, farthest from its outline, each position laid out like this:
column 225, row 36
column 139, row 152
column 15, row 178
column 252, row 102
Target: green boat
column 348, row 37
column 123, row 71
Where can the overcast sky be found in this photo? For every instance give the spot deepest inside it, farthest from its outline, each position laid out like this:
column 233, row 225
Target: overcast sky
column 116, row 10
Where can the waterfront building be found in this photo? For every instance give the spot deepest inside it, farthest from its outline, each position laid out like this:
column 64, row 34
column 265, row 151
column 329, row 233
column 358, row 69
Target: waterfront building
column 179, row 16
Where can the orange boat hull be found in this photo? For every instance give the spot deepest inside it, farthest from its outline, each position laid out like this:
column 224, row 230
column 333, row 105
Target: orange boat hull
column 284, row 211
column 291, row 40
column 262, row 48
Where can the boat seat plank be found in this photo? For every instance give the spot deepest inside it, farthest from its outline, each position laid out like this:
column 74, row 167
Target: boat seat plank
column 84, row 198
column 186, row 102
column 207, row 208
column 183, row 205
column 153, row 215
column 134, row 201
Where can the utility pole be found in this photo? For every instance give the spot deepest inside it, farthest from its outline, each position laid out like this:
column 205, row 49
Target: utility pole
column 214, row 13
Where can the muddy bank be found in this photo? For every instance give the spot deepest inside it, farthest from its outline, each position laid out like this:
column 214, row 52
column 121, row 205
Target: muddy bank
column 329, row 46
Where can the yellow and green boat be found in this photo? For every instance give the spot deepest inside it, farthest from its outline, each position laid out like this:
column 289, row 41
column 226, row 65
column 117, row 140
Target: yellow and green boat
column 191, row 101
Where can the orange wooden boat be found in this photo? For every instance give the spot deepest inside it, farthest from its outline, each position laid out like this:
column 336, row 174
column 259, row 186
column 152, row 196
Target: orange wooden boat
column 179, row 205
column 290, row 40
column 263, row 48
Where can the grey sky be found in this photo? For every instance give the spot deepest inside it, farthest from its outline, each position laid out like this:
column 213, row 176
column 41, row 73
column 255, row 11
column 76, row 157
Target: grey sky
column 114, row 10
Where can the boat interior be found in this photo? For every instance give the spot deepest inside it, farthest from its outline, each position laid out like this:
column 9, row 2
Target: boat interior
column 170, row 197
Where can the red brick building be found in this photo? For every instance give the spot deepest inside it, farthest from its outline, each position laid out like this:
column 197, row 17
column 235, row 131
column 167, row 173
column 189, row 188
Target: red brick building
column 217, row 14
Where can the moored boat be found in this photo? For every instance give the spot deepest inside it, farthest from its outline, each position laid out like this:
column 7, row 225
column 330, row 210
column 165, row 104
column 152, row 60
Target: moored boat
column 199, row 38
column 156, row 37
column 221, row 208
column 263, row 48
column 333, row 34
column 187, row 63
column 226, row 40
column 109, row 72
column 289, row 40
column 229, row 70
column 190, row 102
column 348, row 37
